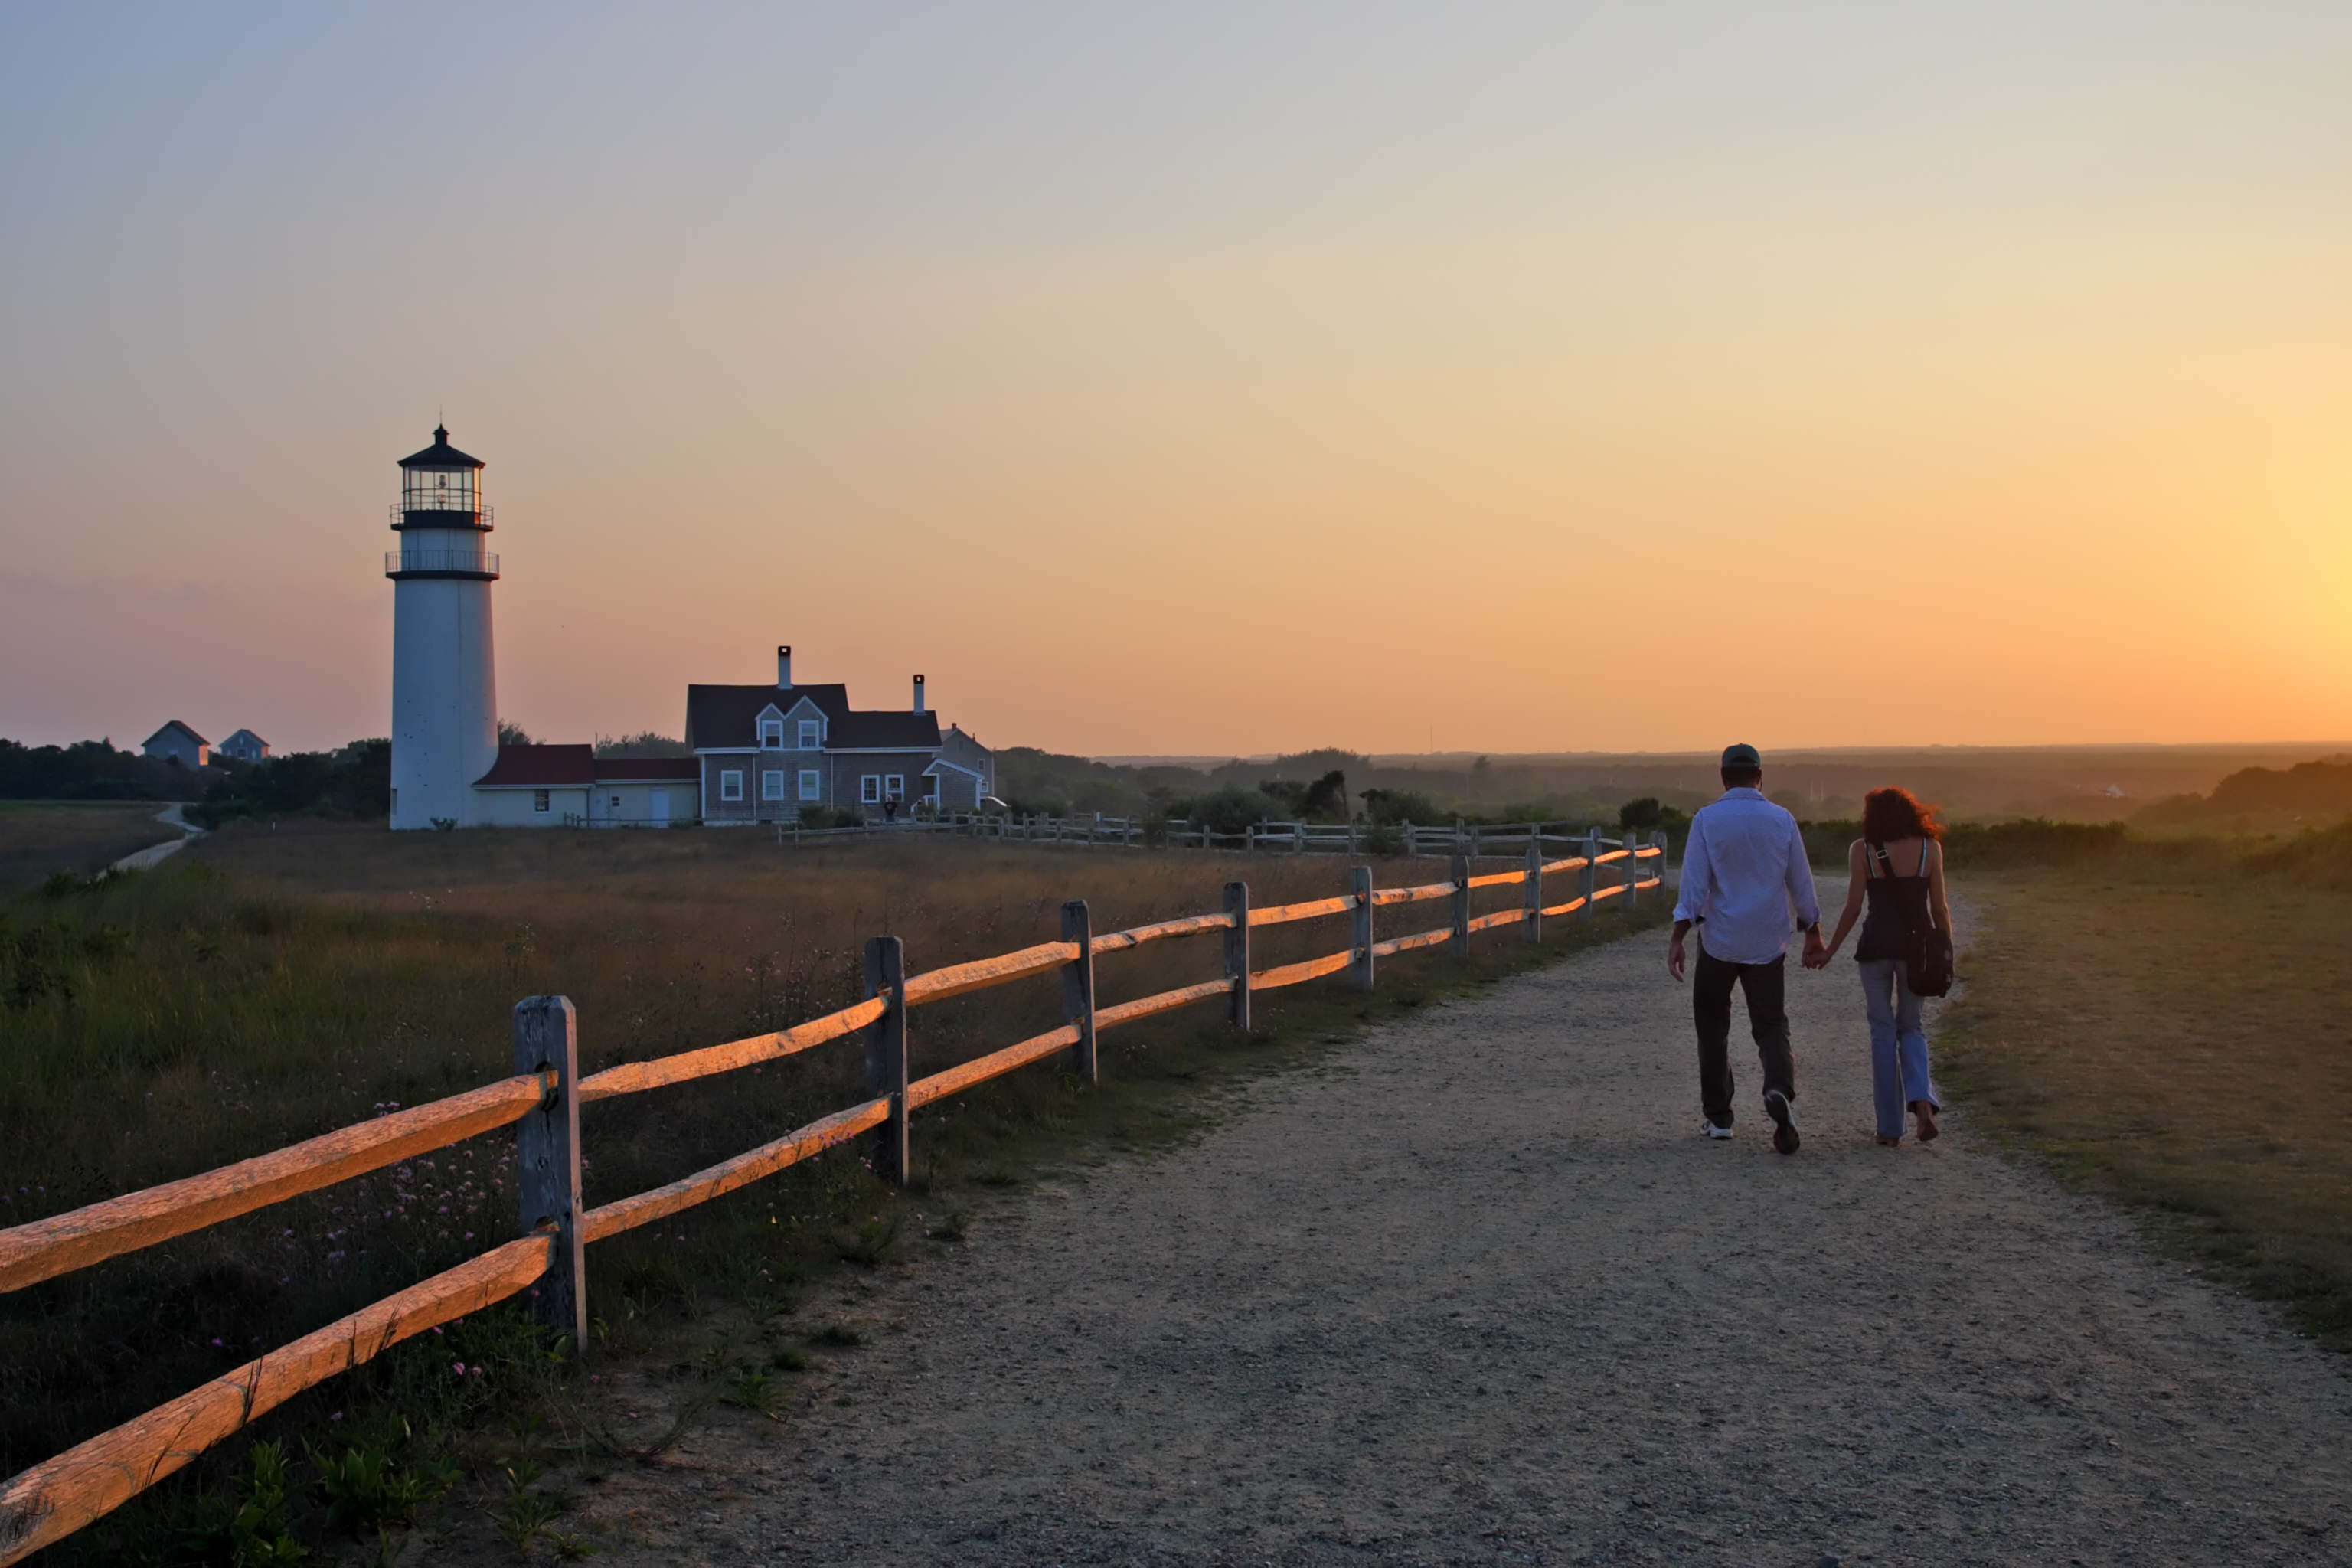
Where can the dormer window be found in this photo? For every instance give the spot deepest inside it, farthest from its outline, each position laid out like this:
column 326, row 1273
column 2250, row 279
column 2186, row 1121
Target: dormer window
column 771, row 734
column 811, row 735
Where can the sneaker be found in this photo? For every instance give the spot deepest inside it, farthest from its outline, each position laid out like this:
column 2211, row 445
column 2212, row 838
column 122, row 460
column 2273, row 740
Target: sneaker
column 1784, row 1121
column 1710, row 1130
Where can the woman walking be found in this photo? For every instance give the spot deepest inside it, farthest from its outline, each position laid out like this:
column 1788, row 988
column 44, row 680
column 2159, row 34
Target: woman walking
column 1897, row 867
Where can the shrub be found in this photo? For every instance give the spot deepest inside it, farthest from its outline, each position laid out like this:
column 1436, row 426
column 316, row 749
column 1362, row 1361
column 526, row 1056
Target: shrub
column 1233, row 809
column 364, row 1489
column 1393, row 805
column 255, row 1533
column 354, row 782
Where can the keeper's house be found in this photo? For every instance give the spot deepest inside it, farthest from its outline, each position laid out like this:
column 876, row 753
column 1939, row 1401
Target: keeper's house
column 571, row 786
column 764, row 753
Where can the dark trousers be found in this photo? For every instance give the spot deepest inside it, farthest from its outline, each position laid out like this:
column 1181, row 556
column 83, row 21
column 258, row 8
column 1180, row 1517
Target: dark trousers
column 1767, row 986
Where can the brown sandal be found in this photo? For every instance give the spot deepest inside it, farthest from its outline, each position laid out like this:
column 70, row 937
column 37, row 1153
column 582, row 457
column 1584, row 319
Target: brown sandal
column 1926, row 1112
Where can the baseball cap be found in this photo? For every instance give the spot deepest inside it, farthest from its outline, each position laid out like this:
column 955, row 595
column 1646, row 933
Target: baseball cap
column 1742, row 756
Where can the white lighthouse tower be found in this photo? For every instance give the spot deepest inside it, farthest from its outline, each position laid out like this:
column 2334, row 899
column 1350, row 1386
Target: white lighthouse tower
column 444, row 701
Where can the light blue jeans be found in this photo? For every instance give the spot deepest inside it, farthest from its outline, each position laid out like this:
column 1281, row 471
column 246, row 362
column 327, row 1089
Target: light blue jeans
column 1898, row 1046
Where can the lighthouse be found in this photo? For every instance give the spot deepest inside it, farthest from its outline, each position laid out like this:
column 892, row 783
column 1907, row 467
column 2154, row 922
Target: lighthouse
column 445, row 705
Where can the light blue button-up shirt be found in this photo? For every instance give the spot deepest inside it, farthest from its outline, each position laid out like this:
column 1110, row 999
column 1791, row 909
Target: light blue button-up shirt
column 1743, row 870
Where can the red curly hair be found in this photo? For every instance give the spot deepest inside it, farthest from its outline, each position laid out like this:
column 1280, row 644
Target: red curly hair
column 1894, row 812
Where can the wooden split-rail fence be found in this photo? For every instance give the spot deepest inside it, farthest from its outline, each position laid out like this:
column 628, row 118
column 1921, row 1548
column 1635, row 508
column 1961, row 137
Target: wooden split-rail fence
column 1351, row 838
column 542, row 1101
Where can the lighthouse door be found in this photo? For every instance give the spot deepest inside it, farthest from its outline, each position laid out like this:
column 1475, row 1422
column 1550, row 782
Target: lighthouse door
column 658, row 802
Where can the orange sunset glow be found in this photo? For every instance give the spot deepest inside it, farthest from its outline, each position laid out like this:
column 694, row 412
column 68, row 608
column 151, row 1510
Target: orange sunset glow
column 1213, row 380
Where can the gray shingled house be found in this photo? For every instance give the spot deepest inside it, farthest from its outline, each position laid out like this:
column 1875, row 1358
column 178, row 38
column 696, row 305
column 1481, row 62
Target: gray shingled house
column 766, row 751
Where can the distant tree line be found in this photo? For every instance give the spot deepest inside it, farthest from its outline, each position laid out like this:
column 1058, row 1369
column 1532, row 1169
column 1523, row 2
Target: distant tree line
column 352, row 781
column 91, row 770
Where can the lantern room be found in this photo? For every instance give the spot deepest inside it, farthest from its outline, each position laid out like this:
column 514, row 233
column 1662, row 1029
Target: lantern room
column 436, row 482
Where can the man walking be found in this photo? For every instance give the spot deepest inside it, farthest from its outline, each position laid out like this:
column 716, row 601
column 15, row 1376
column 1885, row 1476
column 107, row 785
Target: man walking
column 1743, row 869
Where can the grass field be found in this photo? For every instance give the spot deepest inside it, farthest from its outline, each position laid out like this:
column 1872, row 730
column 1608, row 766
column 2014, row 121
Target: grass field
column 266, row 986
column 2177, row 1035
column 39, row 837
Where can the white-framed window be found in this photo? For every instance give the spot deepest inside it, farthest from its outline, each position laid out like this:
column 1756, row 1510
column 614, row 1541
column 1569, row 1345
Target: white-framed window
column 931, row 789
column 616, row 803
column 869, row 789
column 772, row 785
column 809, row 788
column 539, row 800
column 812, row 734
column 893, row 786
column 771, row 734
column 731, row 783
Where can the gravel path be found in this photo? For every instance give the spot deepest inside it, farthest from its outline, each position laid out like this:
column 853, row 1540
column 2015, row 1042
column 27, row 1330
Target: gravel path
column 1485, row 1296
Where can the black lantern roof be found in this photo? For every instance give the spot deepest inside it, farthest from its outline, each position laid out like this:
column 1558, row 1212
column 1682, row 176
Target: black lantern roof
column 441, row 455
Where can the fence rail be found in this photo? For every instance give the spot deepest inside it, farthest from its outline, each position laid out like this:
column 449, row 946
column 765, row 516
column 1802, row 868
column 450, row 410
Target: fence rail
column 1354, row 837
column 542, row 1100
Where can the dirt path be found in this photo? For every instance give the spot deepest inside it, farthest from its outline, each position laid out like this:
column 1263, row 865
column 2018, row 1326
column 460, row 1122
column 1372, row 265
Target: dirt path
column 1485, row 1297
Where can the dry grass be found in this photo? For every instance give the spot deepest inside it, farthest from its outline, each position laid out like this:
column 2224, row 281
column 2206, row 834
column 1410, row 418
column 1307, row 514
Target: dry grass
column 2181, row 1045
column 39, row 838
column 270, row 985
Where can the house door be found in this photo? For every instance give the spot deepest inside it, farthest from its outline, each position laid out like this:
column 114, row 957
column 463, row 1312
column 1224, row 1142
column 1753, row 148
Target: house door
column 658, row 802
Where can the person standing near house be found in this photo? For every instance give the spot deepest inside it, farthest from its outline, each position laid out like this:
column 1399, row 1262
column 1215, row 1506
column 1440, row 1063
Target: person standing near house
column 1744, row 870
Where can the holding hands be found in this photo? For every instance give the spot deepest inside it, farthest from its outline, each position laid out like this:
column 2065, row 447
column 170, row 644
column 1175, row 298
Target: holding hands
column 1817, row 952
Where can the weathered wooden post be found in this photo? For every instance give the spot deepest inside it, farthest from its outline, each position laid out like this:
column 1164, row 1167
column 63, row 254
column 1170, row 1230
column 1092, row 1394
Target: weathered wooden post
column 1079, row 991
column 1461, row 942
column 886, row 1052
column 1531, row 923
column 1237, row 952
column 547, row 1162
column 1412, row 844
column 1585, row 879
column 1360, row 925
column 1632, row 869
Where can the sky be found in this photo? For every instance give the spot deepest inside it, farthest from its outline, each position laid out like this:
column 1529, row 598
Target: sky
column 1195, row 379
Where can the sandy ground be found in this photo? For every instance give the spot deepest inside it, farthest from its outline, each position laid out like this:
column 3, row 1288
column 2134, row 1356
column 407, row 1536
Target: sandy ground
column 1485, row 1296
column 156, row 855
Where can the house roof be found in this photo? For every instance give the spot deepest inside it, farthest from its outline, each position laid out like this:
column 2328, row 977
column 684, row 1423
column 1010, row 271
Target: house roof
column 727, row 716
column 182, row 729
column 441, row 455
column 541, row 767
column 648, row 769
column 246, row 735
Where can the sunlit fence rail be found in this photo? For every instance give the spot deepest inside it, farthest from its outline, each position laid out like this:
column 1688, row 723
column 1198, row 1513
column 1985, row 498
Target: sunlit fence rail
column 543, row 1098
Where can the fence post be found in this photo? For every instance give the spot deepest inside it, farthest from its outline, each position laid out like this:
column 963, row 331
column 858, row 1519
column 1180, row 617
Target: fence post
column 1359, row 926
column 547, row 1162
column 1461, row 942
column 1411, row 844
column 1632, row 871
column 1585, row 879
column 1531, row 923
column 886, row 1052
column 1237, row 952
column 1079, row 991
column 1351, row 833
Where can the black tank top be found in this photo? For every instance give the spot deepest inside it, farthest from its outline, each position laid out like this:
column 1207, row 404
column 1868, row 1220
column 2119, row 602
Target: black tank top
column 1896, row 904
